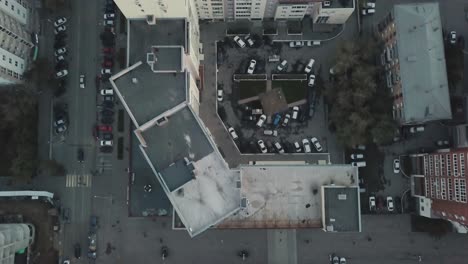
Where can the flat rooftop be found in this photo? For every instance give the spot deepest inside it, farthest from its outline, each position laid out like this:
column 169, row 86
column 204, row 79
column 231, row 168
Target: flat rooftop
column 342, row 210
column 142, row 36
column 149, row 94
column 287, row 196
column 166, row 58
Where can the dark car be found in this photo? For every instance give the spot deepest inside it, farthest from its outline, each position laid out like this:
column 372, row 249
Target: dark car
column 77, row 251
column 108, row 50
column 107, row 112
column 66, row 215
column 80, row 154
column 93, row 222
column 107, row 120
column 107, row 104
column 108, row 98
column 106, row 149
column 107, row 136
column 380, row 203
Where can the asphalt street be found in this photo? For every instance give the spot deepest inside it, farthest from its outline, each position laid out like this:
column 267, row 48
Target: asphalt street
column 121, row 239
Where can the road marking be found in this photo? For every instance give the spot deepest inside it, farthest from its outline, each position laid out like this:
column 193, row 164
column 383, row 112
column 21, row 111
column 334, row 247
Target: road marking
column 74, row 180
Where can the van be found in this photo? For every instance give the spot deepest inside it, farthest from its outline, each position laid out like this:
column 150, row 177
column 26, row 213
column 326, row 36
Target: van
column 268, row 132
column 358, row 164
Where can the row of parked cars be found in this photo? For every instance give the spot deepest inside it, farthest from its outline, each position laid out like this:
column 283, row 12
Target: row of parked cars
column 60, row 47
column 104, row 132
column 380, row 203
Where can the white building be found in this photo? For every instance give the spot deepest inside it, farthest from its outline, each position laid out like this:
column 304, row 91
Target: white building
column 334, row 12
column 14, row 238
column 16, row 42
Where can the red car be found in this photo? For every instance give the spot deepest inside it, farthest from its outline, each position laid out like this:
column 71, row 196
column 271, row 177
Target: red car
column 107, row 63
column 105, row 128
column 108, row 50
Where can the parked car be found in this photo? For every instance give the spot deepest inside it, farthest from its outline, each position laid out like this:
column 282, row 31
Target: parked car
column 295, row 112
column 106, row 149
column 279, row 148
column 390, row 203
column 107, row 63
column 77, row 250
column 277, row 119
column 107, row 120
column 282, row 66
column 249, row 40
column 59, row 43
column 104, row 128
column 108, row 98
column 262, row 146
column 107, row 112
column 416, row 129
column 82, row 81
column 311, row 80
column 59, row 29
column 306, row 144
column 268, row 132
column 396, row 165
column 233, row 133
column 60, row 21
column 296, row 44
column 453, row 37
column 251, row 68
column 309, row 66
column 372, row 203
column 220, row 95
column 109, row 16
column 286, row 120
column 61, row 74
column 261, row 120
column 66, row 215
column 239, row 41
column 107, row 104
column 80, row 155
column 335, row 259
column 316, row 143
column 380, row 202
column 358, row 164
column 106, row 71
column 106, row 143
column 342, row 260
column 297, row 147
column 66, row 261
column 359, row 147
column 107, row 91
column 59, row 58
column 109, row 22
column 357, row 156
column 60, row 51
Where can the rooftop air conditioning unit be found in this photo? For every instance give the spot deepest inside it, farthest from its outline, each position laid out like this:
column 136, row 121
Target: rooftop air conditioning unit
column 341, row 196
column 134, row 80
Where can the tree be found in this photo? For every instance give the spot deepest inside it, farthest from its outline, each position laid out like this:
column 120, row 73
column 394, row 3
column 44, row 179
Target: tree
column 52, row 167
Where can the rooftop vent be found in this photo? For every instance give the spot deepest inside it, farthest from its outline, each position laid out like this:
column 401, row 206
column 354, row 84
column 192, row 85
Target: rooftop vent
column 341, row 196
column 161, row 121
column 134, row 80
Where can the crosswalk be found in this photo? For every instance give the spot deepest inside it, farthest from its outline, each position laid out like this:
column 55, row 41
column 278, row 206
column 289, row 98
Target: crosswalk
column 75, row 180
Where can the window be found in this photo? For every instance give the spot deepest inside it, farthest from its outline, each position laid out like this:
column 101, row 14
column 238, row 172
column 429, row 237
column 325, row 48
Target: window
column 431, row 165
column 450, row 189
column 3, row 57
column 455, row 165
column 10, row 60
column 443, row 193
column 13, row 7
column 436, row 164
column 6, row 3
column 449, row 165
column 462, row 164
column 16, row 63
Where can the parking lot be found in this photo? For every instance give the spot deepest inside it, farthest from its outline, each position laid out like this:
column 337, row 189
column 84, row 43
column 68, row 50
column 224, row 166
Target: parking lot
column 243, row 116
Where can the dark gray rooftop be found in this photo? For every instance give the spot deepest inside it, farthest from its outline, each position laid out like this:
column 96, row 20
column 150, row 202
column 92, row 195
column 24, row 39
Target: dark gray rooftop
column 167, row 58
column 340, row 4
column 153, row 94
column 342, row 211
column 170, row 32
column 179, row 138
column 177, row 174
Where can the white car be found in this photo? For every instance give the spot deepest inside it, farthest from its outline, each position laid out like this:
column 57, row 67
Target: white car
column 106, row 142
column 239, row 41
column 106, row 71
column 309, row 66
column 82, row 81
column 233, row 133
column 60, row 51
column 262, row 146
column 396, row 166
column 311, row 80
column 295, row 112
column 453, row 37
column 342, row 260
column 306, row 144
column 59, row 29
column 251, row 68
column 371, row 203
column 390, row 203
column 416, row 129
column 220, row 95
column 109, row 16
column 109, row 22
column 261, row 120
column 316, row 143
column 282, row 65
column 279, row 148
column 357, row 156
column 60, row 21
column 296, row 44
column 61, row 74
column 60, row 58
column 297, row 147
column 107, row 92
column 370, row 5
column 286, row 120
column 66, row 261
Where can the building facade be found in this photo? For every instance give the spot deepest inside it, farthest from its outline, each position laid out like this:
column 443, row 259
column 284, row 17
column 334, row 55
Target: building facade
column 16, row 40
column 414, row 62
column 438, row 181
column 14, row 238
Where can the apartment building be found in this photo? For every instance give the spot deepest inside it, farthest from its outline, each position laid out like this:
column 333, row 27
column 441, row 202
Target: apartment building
column 414, row 61
column 14, row 238
column 16, row 40
column 438, row 181
column 332, row 12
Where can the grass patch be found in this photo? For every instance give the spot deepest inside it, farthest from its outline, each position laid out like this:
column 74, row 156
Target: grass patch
column 249, row 89
column 293, row 90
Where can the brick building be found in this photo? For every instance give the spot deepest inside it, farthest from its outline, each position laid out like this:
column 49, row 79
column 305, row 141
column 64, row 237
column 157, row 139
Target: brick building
column 438, row 180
